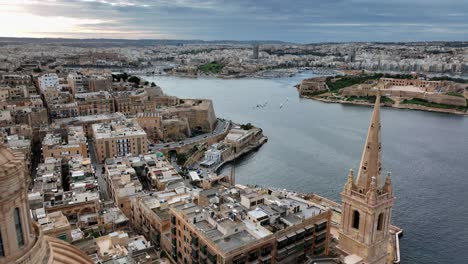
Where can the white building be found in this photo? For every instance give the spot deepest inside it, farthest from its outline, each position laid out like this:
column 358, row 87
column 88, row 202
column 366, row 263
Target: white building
column 212, row 156
column 48, row 80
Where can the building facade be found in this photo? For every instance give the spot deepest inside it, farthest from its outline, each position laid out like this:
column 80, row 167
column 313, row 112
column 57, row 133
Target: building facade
column 47, row 80
column 118, row 139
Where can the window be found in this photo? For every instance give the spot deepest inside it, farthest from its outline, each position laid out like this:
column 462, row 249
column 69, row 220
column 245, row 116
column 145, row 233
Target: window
column 2, row 253
column 356, row 216
column 380, row 222
column 19, row 228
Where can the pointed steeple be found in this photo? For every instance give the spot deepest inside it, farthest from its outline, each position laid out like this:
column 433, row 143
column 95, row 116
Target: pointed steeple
column 370, row 161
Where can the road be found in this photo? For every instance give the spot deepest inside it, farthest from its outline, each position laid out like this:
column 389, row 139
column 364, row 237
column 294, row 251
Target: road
column 221, row 127
column 98, row 171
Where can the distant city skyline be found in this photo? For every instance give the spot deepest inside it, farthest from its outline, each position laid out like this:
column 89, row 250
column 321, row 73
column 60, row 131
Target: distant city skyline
column 299, row 21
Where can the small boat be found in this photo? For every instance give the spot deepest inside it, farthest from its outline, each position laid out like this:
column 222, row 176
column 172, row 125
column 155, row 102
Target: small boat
column 281, row 105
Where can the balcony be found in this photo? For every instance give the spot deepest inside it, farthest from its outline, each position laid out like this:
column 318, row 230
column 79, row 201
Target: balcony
column 319, row 251
column 320, row 239
column 281, row 242
column 203, row 249
column 281, row 254
column 253, row 256
column 265, row 251
column 321, row 227
column 212, row 258
column 239, row 259
column 194, row 241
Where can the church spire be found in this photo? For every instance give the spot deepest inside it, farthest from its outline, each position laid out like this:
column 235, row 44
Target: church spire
column 370, row 161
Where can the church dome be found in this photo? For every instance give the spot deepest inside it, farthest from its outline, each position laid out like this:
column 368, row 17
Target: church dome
column 63, row 252
column 22, row 240
column 12, row 176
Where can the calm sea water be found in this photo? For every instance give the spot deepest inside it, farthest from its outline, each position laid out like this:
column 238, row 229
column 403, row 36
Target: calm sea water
column 312, row 145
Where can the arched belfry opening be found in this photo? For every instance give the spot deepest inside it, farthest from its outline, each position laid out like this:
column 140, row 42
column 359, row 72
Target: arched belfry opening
column 356, row 218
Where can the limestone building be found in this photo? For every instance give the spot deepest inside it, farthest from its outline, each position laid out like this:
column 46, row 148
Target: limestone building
column 21, row 239
column 367, row 204
column 273, row 229
column 119, row 139
column 95, row 103
column 53, row 145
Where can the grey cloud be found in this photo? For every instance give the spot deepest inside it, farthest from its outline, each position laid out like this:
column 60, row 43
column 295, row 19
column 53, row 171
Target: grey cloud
column 298, row 20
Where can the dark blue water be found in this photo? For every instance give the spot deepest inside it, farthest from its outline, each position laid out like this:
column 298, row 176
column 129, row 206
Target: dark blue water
column 312, row 145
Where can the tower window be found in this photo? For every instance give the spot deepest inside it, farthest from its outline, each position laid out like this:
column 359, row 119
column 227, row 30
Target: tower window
column 19, row 228
column 2, row 252
column 380, row 222
column 356, row 217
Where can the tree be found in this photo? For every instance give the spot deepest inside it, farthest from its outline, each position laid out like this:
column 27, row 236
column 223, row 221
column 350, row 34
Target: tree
column 37, row 70
column 247, row 126
column 181, row 158
column 153, row 84
column 134, row 80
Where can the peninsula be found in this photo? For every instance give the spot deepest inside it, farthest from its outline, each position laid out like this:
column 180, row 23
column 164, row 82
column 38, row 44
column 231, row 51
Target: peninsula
column 406, row 91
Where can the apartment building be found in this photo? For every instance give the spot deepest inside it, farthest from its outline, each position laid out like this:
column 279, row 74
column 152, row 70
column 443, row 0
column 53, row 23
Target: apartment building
column 95, row 103
column 47, row 80
column 74, row 143
column 119, row 138
column 277, row 228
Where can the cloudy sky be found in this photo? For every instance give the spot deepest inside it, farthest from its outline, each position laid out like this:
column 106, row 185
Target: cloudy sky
column 302, row 21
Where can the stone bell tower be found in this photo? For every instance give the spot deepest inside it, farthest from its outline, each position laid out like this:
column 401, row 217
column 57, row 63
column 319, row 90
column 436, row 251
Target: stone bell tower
column 367, row 203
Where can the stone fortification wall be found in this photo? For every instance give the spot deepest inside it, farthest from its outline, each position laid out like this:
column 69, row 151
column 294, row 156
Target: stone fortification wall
column 430, row 97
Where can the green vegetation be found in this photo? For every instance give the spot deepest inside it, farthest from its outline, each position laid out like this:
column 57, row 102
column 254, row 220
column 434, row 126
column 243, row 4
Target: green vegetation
column 336, row 84
column 247, row 126
column 370, row 99
column 120, row 76
column 447, row 78
column 134, row 80
column 181, row 158
column 349, row 80
column 455, row 94
column 153, row 84
column 212, row 67
column 37, row 70
column 426, row 103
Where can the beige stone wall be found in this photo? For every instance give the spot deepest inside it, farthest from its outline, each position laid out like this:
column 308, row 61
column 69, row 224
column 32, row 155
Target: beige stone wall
column 96, row 107
column 111, row 151
column 146, row 221
column 431, row 97
column 151, row 125
column 58, row 151
column 175, row 129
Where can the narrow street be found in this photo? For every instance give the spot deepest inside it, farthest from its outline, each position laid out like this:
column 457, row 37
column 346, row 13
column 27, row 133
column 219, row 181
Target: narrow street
column 98, row 171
